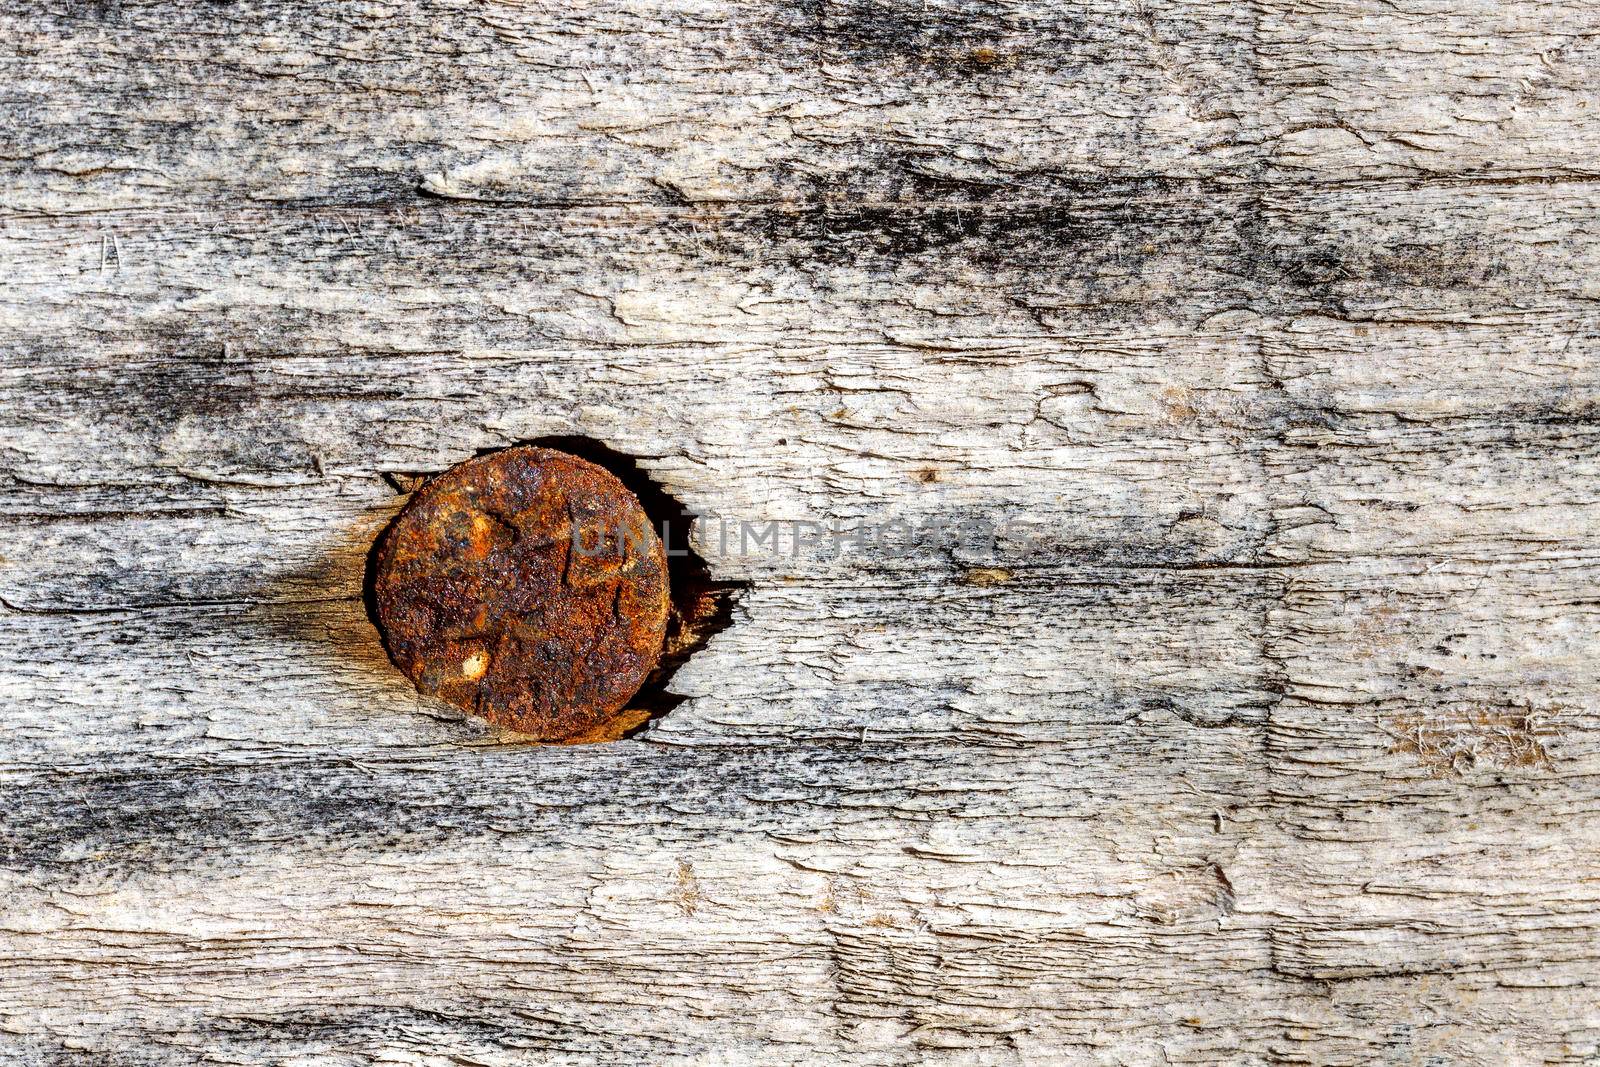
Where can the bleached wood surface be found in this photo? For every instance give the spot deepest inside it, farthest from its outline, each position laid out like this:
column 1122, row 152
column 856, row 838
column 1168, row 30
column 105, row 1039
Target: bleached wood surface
column 1277, row 321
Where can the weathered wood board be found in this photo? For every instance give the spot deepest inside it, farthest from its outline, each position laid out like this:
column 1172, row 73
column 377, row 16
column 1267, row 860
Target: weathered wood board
column 1277, row 325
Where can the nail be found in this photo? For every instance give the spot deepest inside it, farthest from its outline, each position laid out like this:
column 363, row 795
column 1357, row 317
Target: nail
column 485, row 599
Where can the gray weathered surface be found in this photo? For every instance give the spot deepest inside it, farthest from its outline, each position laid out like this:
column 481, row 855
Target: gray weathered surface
column 1278, row 323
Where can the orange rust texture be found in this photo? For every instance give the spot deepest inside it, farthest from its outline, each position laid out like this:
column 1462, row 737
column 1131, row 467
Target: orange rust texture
column 485, row 602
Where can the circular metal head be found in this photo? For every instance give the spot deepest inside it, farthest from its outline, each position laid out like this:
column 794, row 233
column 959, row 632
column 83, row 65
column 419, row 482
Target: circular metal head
column 527, row 587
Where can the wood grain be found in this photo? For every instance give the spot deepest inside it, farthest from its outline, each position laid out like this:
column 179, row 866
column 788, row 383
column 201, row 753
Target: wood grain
column 1275, row 743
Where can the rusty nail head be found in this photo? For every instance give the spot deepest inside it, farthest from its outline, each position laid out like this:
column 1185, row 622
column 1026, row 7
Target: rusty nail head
column 485, row 601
